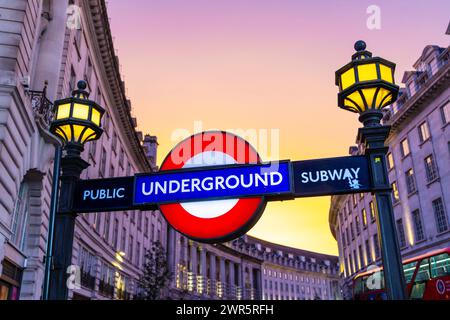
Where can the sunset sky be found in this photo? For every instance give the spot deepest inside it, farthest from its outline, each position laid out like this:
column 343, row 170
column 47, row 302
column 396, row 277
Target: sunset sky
column 263, row 64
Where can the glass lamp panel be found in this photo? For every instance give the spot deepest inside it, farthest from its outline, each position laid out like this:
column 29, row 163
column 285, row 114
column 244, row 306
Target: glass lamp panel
column 367, row 72
column 369, row 94
column 386, row 73
column 95, row 117
column 77, row 132
column 357, row 99
column 63, row 111
column 348, row 78
column 80, row 111
column 89, row 133
column 67, row 132
column 382, row 93
column 350, row 105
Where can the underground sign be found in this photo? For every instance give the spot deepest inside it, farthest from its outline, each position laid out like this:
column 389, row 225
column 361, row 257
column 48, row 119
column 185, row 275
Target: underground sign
column 213, row 220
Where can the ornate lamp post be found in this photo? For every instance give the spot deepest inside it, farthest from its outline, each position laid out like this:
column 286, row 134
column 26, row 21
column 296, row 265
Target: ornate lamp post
column 366, row 86
column 77, row 121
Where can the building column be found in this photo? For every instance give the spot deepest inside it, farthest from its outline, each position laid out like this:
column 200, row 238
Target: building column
column 240, row 289
column 212, row 274
column 171, row 248
column 193, row 264
column 231, row 278
column 203, row 269
column 223, row 278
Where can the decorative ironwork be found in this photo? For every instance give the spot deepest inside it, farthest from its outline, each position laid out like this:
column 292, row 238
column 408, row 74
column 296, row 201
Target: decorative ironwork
column 41, row 105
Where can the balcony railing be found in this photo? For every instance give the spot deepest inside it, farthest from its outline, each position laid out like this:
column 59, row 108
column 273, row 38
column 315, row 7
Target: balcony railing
column 87, row 280
column 106, row 289
column 41, row 105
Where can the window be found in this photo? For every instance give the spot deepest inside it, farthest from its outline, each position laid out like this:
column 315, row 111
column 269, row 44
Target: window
column 87, row 262
column 123, row 239
column 139, row 223
column 103, row 162
column 418, row 227
column 390, row 161
column 98, row 96
column 128, row 169
column 351, row 231
column 343, row 239
column 401, row 233
column 423, row 275
column 404, row 147
column 146, row 227
column 130, row 248
column 114, row 142
column 408, row 270
column 138, row 253
column 133, row 217
column 358, row 229
column 376, row 245
column 424, row 132
column 111, row 170
column 439, row 215
column 115, row 232
column 106, row 228
column 445, row 113
column 72, row 80
column 121, row 157
column 361, row 257
column 395, row 194
column 355, row 201
column 372, row 211
column 410, row 181
column 93, row 148
column 88, row 70
column 355, row 263
column 440, row 265
column 364, row 217
column 20, row 217
column 430, row 169
column 369, row 256
column 97, row 219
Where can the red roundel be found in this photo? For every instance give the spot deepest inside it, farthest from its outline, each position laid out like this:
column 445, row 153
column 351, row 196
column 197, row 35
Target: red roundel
column 212, row 220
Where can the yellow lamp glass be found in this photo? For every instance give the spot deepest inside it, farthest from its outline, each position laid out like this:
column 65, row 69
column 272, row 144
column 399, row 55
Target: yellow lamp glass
column 386, row 73
column 348, row 78
column 63, row 111
column 367, row 72
column 95, row 117
column 80, row 111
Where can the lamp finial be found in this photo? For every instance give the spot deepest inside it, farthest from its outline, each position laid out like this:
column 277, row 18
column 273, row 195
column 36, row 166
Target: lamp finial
column 360, row 45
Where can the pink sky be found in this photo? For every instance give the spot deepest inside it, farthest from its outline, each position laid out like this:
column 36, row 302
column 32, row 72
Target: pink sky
column 263, row 64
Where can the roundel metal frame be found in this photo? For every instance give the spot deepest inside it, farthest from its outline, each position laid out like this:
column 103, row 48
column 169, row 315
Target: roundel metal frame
column 228, row 226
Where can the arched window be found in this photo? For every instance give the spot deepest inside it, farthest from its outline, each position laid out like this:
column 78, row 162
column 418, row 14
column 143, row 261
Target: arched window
column 20, row 217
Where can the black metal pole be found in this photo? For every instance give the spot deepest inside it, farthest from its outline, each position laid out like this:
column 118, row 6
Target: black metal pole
column 72, row 165
column 373, row 136
column 51, row 221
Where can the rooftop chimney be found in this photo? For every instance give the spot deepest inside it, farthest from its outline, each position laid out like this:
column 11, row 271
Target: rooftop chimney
column 150, row 146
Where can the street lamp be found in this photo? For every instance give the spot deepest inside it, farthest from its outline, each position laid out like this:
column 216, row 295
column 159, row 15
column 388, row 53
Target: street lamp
column 366, row 86
column 77, row 121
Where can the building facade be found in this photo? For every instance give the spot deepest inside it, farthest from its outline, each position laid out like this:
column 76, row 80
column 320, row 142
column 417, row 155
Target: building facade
column 45, row 48
column 419, row 173
column 250, row 268
column 53, row 44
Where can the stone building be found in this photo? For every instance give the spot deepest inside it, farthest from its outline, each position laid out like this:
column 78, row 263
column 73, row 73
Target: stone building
column 51, row 45
column 419, row 173
column 250, row 268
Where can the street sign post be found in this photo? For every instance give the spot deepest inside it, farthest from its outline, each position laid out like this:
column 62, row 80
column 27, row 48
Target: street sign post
column 213, row 195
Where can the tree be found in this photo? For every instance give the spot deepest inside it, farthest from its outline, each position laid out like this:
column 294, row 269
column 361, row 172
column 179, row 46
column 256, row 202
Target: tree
column 156, row 275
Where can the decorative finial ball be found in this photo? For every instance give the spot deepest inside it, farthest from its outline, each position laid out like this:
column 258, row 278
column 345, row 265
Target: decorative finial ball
column 81, row 85
column 360, row 45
